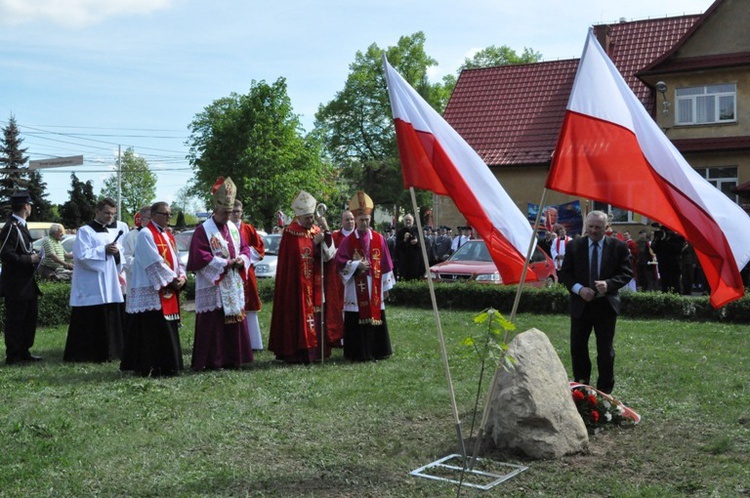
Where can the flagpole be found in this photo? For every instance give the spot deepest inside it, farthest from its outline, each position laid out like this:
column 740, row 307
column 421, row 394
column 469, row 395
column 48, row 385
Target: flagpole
column 441, row 338
column 512, row 319
column 528, row 258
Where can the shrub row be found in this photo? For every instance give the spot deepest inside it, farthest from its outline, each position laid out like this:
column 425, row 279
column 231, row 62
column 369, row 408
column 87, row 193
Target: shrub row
column 554, row 300
column 54, row 309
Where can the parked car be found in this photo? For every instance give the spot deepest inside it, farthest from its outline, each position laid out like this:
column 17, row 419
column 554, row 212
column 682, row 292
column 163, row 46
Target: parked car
column 267, row 267
column 472, row 262
column 182, row 240
column 68, row 246
column 37, row 229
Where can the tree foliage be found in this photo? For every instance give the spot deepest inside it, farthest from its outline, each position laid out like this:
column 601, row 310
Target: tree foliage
column 38, row 192
column 356, row 127
column 79, row 209
column 14, row 176
column 137, row 185
column 257, row 140
column 499, row 56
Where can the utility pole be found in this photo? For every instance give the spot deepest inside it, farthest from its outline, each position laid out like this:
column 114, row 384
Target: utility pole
column 119, row 183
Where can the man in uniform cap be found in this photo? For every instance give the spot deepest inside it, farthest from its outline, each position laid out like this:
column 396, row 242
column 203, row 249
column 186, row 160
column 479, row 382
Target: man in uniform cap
column 17, row 282
column 366, row 268
column 296, row 332
column 442, row 244
column 220, row 258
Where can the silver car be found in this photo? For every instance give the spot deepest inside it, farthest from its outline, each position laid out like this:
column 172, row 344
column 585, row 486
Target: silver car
column 267, row 267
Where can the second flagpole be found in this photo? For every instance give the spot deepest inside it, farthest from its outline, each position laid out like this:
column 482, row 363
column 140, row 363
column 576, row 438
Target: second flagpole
column 441, row 338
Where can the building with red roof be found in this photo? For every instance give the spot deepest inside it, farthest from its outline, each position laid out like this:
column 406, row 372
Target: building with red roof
column 691, row 72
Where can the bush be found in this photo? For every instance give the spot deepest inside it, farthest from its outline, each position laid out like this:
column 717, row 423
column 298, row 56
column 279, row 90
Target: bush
column 554, row 300
column 54, row 309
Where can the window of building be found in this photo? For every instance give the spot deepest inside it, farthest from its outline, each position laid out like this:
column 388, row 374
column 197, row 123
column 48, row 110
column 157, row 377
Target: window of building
column 706, row 104
column 723, row 178
column 617, row 215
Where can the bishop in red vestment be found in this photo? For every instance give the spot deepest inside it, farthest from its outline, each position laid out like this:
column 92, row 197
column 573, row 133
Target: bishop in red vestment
column 295, row 324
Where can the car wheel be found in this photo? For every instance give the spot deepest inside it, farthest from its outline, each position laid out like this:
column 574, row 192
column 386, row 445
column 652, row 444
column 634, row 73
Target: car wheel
column 550, row 282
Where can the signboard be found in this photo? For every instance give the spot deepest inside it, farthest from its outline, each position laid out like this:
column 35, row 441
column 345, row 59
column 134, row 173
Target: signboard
column 56, row 162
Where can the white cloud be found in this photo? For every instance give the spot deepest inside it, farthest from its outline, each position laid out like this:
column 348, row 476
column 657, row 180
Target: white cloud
column 73, row 13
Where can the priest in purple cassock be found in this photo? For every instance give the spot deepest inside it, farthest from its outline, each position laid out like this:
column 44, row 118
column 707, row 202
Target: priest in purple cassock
column 220, row 259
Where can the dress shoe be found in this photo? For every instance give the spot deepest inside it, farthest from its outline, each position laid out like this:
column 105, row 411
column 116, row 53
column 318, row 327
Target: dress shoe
column 22, row 360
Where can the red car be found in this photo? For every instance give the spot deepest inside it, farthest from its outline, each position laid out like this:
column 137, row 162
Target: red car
column 472, row 263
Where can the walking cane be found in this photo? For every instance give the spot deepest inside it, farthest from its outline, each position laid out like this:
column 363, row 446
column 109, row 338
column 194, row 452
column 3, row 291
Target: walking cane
column 320, row 211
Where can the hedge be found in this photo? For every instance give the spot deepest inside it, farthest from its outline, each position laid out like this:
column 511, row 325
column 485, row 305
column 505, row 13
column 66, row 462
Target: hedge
column 54, row 309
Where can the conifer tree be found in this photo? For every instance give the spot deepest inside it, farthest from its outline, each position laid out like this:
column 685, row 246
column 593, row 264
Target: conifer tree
column 13, row 176
column 79, row 209
column 38, row 192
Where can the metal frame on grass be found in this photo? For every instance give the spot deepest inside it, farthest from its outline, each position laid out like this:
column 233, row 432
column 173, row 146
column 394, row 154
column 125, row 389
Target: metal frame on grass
column 494, row 478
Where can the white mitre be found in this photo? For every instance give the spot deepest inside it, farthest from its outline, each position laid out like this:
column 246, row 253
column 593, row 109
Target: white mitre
column 304, row 204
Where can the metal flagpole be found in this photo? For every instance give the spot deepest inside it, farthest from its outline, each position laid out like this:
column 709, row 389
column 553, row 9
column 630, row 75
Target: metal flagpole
column 512, row 319
column 443, row 351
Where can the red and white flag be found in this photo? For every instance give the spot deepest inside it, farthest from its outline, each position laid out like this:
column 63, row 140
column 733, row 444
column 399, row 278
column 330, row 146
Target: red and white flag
column 434, row 157
column 611, row 150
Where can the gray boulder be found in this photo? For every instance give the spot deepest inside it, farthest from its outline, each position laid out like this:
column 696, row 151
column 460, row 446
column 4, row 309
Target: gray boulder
column 532, row 411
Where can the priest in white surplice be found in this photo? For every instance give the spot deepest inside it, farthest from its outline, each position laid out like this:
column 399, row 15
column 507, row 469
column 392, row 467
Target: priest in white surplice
column 96, row 318
column 152, row 341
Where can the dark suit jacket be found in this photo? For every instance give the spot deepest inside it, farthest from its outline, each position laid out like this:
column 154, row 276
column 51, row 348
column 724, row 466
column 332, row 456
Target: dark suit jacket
column 615, row 268
column 17, row 276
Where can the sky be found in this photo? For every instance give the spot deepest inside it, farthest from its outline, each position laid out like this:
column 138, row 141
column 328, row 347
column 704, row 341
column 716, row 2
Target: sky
column 86, row 77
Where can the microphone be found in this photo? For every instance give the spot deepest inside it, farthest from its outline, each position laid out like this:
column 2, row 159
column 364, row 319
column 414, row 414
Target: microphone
column 118, row 236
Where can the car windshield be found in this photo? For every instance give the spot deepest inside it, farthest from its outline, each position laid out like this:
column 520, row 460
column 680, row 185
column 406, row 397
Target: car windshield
column 182, row 240
column 474, row 250
column 271, row 243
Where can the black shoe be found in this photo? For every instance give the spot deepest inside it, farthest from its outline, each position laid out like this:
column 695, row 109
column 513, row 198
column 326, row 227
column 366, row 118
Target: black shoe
column 23, row 360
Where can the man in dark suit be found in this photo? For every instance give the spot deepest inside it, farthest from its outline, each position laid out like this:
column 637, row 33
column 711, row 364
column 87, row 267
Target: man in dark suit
column 17, row 282
column 594, row 269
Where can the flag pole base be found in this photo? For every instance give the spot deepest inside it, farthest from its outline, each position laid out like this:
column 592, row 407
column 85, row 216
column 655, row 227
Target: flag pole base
column 485, row 475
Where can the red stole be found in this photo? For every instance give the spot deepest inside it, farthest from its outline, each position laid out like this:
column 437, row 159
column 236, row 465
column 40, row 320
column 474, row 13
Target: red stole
column 369, row 302
column 170, row 302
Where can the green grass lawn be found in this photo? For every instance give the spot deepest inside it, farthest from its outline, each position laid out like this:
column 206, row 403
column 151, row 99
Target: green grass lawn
column 341, row 429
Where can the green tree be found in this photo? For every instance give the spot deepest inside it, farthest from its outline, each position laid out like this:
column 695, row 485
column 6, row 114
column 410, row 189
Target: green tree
column 489, row 57
column 79, row 209
column 13, row 176
column 356, row 127
column 180, row 223
column 499, row 56
column 38, row 192
column 137, row 183
column 257, row 140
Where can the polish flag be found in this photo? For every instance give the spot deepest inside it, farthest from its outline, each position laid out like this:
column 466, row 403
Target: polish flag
column 611, row 150
column 434, row 157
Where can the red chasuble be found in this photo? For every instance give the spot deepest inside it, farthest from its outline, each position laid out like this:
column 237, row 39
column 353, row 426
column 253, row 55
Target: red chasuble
column 369, row 300
column 297, row 296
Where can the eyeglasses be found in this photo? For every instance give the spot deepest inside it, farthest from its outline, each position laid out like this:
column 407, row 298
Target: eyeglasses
column 237, row 211
column 168, row 215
